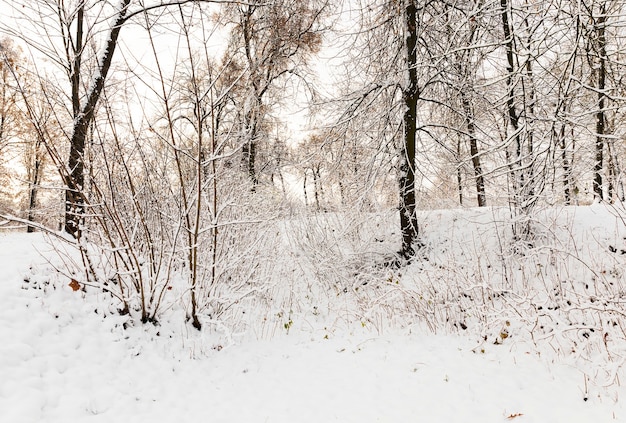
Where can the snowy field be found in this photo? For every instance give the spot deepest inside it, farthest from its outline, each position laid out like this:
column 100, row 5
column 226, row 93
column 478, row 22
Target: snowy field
column 66, row 356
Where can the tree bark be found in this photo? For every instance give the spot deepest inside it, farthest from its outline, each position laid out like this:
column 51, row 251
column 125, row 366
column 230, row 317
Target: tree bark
column 478, row 171
column 459, row 175
column 408, row 218
column 34, row 187
column 74, row 195
column 567, row 168
column 600, row 114
column 249, row 150
column 513, row 116
column 521, row 175
column 252, row 116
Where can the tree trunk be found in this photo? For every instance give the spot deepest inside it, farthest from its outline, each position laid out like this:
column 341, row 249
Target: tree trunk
column 408, row 217
column 567, row 168
column 513, row 116
column 478, row 171
column 34, row 188
column 520, row 180
column 459, row 175
column 251, row 116
column 74, row 195
column 616, row 187
column 600, row 114
column 316, row 188
column 249, row 150
column 306, row 197
column 531, row 177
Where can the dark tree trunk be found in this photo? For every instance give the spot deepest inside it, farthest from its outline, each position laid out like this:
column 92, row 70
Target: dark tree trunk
column 531, row 178
column 306, row 197
column 518, row 172
column 34, row 188
column 74, row 195
column 459, row 175
column 567, row 169
column 252, row 116
column 249, row 151
column 77, row 51
column 600, row 114
column 478, row 171
column 513, row 116
column 463, row 64
column 316, row 187
column 410, row 94
column 616, row 187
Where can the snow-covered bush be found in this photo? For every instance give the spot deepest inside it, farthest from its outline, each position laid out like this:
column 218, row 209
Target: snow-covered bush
column 565, row 294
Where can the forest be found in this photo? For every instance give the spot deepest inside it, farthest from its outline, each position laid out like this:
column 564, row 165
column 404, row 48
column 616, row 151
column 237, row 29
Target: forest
column 455, row 165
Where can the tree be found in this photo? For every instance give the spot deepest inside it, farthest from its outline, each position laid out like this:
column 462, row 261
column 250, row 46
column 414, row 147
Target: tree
column 515, row 156
column 35, row 156
column 599, row 25
column 397, row 85
column 10, row 117
column 410, row 95
column 77, row 32
column 596, row 51
column 465, row 24
column 272, row 41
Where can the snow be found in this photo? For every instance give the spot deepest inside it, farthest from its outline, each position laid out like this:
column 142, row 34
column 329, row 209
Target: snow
column 66, row 356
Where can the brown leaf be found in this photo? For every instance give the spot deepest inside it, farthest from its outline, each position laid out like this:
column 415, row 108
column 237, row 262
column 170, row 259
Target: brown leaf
column 74, row 285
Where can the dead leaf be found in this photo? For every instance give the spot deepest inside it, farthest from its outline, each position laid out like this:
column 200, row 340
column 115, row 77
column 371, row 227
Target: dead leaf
column 74, row 285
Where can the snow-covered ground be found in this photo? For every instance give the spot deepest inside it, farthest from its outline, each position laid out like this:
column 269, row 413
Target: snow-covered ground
column 66, row 356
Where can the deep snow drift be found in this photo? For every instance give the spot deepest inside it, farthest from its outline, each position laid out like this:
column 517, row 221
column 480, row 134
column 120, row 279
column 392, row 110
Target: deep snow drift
column 472, row 333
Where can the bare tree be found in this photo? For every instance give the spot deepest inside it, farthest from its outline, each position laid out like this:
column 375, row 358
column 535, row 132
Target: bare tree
column 11, row 119
column 71, row 24
column 273, row 41
column 400, row 85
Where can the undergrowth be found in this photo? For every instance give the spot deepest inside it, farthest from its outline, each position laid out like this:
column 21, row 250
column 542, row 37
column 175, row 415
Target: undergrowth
column 563, row 297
